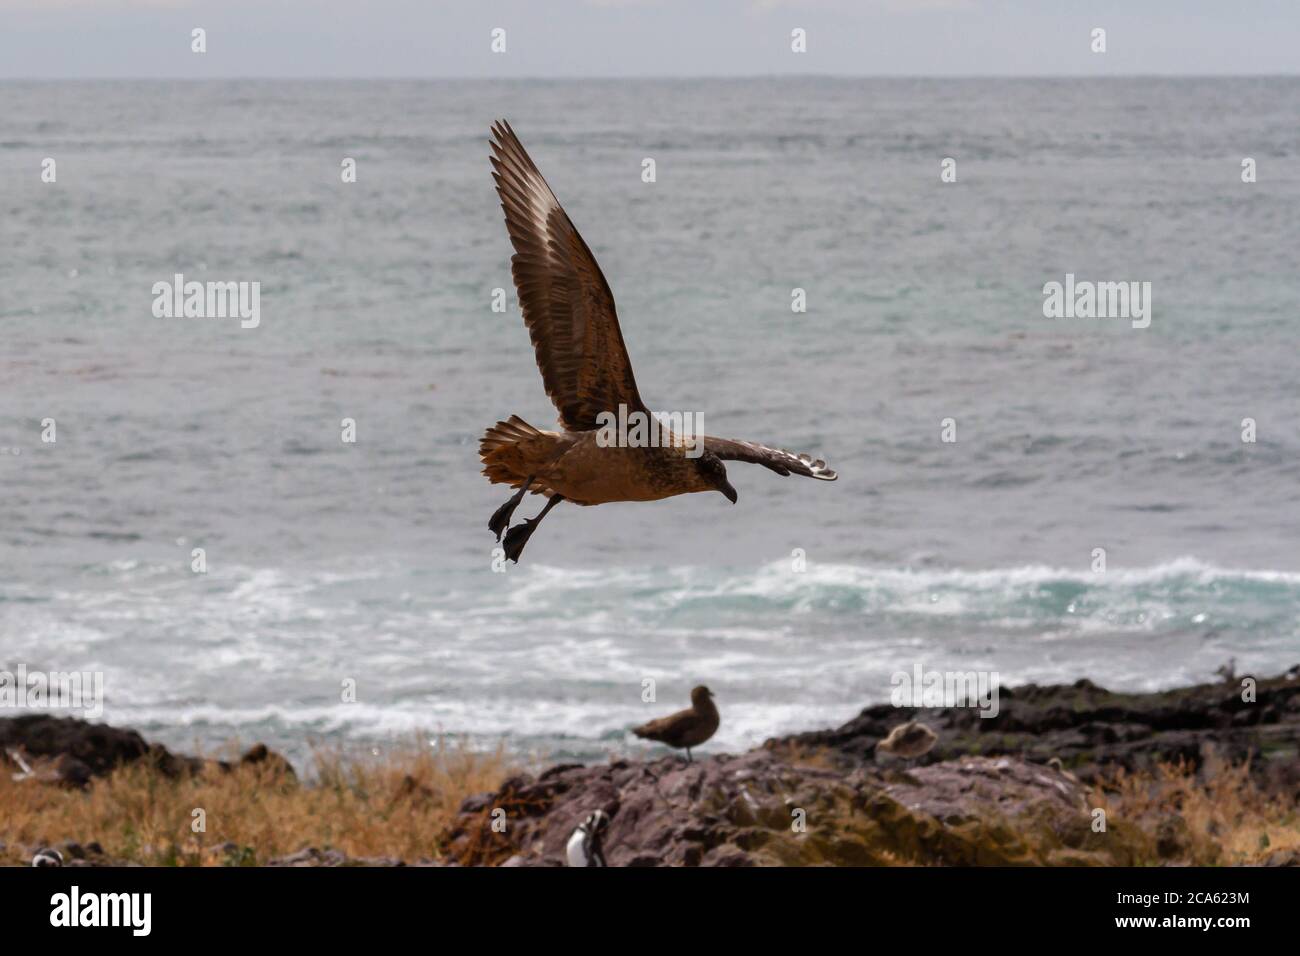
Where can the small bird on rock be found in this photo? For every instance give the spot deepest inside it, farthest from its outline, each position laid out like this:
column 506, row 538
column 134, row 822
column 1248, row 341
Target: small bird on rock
column 47, row 857
column 686, row 728
column 912, row 739
column 584, row 846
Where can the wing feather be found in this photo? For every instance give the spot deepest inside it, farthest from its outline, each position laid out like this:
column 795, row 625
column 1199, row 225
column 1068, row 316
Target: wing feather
column 567, row 304
column 778, row 459
column 666, row 728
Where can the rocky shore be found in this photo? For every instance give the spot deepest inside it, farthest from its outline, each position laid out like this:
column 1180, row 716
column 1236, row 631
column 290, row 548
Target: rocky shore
column 1043, row 783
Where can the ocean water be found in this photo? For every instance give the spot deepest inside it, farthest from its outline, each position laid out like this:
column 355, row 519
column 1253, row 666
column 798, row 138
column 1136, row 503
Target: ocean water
column 371, row 561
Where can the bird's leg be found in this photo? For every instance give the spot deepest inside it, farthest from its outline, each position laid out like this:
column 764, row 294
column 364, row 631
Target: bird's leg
column 689, row 758
column 518, row 536
column 501, row 517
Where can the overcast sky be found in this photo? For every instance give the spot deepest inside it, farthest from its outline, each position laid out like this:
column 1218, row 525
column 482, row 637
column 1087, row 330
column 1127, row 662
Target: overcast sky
column 452, row 38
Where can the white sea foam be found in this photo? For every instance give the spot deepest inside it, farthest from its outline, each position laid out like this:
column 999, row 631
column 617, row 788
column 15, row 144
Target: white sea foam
column 558, row 663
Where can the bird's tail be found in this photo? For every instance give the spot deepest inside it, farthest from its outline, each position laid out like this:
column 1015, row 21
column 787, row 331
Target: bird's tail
column 496, row 446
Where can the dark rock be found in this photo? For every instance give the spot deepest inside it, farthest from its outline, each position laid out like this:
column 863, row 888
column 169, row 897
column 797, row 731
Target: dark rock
column 759, row 809
column 98, row 746
column 70, row 752
column 983, row 796
column 476, row 803
column 560, row 768
column 259, row 756
column 1282, row 858
column 727, row 855
column 1090, row 728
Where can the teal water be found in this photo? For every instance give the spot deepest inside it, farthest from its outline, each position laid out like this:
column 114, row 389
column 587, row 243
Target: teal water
column 371, row 562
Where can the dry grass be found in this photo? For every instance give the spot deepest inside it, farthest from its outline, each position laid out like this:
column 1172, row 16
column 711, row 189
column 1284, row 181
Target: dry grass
column 396, row 804
column 399, row 803
column 1219, row 816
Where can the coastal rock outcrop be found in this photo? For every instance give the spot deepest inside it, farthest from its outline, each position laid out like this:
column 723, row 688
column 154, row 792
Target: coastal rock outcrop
column 1022, row 788
column 1091, row 729
column 1013, row 789
column 70, row 752
column 760, row 808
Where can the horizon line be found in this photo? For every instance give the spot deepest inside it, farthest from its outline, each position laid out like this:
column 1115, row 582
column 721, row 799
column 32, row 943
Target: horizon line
column 652, row 76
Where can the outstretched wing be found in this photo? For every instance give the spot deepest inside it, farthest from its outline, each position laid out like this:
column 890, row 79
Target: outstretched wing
column 566, row 301
column 780, row 461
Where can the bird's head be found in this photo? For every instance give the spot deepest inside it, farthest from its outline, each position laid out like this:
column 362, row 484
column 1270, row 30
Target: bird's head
column 700, row 696
column 714, row 473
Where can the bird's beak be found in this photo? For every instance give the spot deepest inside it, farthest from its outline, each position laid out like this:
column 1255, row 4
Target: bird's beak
column 730, row 492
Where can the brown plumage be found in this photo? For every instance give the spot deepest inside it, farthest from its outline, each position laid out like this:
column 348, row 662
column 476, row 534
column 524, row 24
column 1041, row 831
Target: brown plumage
column 569, row 311
column 912, row 739
column 686, row 728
